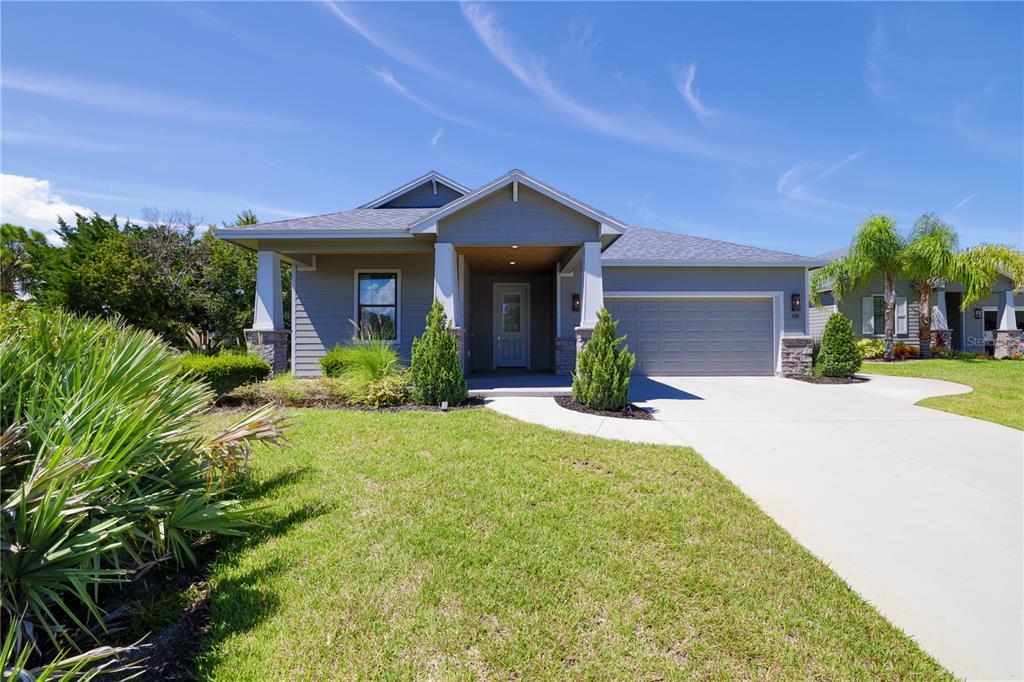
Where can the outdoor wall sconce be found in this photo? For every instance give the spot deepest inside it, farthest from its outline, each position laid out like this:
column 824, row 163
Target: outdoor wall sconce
column 977, row 313
column 794, row 303
column 575, row 303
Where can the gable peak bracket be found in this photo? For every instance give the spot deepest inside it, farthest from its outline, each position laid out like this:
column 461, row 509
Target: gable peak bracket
column 515, row 190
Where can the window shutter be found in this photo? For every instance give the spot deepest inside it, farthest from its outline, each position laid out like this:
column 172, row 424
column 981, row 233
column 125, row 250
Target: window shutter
column 867, row 319
column 901, row 315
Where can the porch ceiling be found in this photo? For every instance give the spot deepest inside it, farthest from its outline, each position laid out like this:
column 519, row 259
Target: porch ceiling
column 506, row 259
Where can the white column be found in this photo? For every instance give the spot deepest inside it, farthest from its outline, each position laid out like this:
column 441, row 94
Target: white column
column 460, row 293
column 445, row 278
column 1007, row 318
column 940, row 321
column 269, row 312
column 592, row 298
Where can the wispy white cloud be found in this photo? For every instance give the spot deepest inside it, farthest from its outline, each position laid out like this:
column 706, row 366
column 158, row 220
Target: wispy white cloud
column 683, row 78
column 437, row 137
column 32, row 203
column 133, row 101
column 875, row 61
column 962, row 202
column 582, row 37
column 388, row 79
column 399, row 53
column 41, row 139
column 531, row 70
column 796, row 184
column 977, row 135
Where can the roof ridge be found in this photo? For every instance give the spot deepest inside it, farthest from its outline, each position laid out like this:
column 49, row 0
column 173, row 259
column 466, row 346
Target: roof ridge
column 719, row 241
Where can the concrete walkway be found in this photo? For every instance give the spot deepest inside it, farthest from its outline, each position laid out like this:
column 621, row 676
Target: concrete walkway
column 920, row 511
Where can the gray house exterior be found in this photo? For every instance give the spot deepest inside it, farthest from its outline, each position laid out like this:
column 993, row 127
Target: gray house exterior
column 991, row 325
column 522, row 269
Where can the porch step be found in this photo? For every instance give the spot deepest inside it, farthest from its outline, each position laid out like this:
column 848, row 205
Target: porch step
column 524, row 392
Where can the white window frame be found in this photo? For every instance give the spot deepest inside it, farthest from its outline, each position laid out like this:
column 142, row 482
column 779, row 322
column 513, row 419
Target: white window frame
column 397, row 272
column 896, row 322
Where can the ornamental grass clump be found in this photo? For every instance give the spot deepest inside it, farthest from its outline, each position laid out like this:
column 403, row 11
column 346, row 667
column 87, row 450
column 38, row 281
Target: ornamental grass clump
column 101, row 470
column 839, row 355
column 601, row 380
column 436, row 371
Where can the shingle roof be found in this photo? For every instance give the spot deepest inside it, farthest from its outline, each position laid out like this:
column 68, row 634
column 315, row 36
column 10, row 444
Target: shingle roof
column 354, row 219
column 834, row 254
column 648, row 244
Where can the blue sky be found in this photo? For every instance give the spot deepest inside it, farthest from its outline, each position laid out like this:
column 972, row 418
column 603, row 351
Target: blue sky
column 775, row 125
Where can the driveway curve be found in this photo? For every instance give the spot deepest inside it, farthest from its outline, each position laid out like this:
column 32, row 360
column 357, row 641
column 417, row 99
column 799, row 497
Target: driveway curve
column 920, row 511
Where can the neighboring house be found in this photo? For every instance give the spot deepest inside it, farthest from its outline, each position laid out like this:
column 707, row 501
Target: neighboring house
column 522, row 269
column 974, row 329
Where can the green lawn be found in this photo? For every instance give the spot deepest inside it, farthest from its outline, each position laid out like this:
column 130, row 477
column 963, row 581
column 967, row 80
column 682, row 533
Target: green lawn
column 998, row 394
column 469, row 545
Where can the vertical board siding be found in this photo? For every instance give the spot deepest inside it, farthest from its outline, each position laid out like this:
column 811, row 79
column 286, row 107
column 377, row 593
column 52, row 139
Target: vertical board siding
column 422, row 196
column 534, row 219
column 324, row 303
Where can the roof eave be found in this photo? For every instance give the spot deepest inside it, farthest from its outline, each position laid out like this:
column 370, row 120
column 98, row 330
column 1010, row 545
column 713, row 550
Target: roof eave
column 325, row 233
column 678, row 263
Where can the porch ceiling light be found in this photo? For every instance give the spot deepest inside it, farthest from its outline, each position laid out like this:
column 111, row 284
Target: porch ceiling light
column 515, row 246
column 511, row 262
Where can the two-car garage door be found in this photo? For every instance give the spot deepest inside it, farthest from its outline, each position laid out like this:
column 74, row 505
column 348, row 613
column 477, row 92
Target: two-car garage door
column 697, row 336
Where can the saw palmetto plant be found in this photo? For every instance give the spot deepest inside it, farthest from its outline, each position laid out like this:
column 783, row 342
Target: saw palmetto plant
column 102, row 470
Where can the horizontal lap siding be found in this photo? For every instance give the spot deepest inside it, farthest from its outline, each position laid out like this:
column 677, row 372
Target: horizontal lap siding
column 851, row 307
column 533, row 219
column 324, row 303
column 818, row 318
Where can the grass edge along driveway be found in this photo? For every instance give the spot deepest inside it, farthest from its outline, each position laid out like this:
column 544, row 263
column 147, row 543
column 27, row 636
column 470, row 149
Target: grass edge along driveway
column 998, row 394
column 470, row 545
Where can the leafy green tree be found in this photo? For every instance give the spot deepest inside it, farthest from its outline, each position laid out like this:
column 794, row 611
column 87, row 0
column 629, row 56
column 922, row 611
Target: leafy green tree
column 23, row 257
column 839, row 355
column 601, row 381
column 877, row 249
column 436, row 370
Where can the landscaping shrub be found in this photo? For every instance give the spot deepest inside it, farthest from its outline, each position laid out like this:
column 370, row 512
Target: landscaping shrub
column 903, row 351
column 436, row 372
column 871, row 349
column 102, row 472
column 839, row 355
column 285, row 389
column 387, row 391
column 368, row 373
column 224, row 371
column 601, row 380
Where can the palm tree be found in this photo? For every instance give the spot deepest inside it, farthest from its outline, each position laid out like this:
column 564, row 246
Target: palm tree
column 877, row 249
column 927, row 260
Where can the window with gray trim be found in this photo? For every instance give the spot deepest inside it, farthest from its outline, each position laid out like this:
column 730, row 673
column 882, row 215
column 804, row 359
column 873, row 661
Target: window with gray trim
column 377, row 307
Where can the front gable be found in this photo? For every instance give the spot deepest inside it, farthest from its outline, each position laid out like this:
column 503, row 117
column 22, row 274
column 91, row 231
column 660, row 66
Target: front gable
column 431, row 190
column 528, row 218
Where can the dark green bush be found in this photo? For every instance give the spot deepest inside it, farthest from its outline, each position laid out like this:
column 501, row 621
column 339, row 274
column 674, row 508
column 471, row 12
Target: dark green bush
column 601, row 381
column 436, row 370
column 225, row 371
column 839, row 355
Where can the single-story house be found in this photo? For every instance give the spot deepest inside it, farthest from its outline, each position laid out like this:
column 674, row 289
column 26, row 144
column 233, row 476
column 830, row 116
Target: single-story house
column 522, row 269
column 977, row 329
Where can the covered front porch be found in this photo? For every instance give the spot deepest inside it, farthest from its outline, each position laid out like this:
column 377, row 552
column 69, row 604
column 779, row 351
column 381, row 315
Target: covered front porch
column 519, row 308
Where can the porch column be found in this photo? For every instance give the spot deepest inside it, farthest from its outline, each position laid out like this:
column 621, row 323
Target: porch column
column 445, row 281
column 592, row 297
column 939, row 319
column 1007, row 336
column 268, row 338
column 269, row 313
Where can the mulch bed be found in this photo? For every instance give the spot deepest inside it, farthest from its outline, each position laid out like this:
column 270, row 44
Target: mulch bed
column 234, row 405
column 631, row 411
column 832, row 380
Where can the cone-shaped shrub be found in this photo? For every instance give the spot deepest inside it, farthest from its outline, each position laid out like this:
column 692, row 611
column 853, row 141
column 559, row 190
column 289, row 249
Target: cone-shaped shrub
column 839, row 355
column 436, row 370
column 601, row 381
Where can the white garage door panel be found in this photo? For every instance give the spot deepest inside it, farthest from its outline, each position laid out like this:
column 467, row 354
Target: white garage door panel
column 697, row 336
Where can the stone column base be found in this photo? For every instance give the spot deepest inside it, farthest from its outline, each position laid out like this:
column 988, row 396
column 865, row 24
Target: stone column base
column 1007, row 342
column 797, row 355
column 565, row 355
column 271, row 345
column 583, row 335
column 460, row 338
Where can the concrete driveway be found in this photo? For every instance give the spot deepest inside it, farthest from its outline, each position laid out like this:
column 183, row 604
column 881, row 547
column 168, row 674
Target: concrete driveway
column 920, row 511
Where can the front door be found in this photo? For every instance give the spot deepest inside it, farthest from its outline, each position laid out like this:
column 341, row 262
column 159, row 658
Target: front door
column 511, row 325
